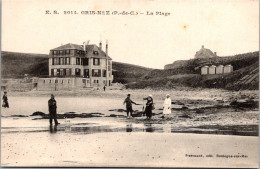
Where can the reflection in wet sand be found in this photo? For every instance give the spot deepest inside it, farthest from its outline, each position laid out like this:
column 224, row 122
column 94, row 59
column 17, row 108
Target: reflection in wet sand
column 100, row 127
column 53, row 129
column 129, row 127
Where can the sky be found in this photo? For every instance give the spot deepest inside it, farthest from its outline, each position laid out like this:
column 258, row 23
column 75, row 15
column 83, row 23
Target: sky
column 227, row 27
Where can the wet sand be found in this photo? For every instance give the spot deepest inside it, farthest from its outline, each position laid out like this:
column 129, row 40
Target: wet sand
column 113, row 142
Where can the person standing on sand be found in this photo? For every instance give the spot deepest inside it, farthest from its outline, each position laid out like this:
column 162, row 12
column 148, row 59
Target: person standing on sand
column 167, row 105
column 53, row 110
column 5, row 101
column 149, row 106
column 104, row 88
column 128, row 103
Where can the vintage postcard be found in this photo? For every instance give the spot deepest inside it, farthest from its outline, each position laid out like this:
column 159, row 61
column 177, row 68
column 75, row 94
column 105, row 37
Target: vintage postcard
column 130, row 83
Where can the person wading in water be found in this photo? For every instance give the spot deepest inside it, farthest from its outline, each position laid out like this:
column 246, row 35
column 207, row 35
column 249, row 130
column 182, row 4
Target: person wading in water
column 53, row 110
column 129, row 108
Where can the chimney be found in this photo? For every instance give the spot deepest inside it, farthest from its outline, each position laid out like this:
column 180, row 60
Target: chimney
column 84, row 46
column 107, row 48
column 202, row 46
column 100, row 45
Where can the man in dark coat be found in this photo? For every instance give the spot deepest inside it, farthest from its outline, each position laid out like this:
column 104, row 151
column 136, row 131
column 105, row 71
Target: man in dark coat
column 129, row 108
column 5, row 101
column 53, row 110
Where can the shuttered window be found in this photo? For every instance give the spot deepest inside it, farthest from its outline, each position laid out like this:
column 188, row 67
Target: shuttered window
column 96, row 72
column 96, row 61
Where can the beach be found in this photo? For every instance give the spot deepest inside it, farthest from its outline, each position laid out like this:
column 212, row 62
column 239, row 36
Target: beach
column 203, row 130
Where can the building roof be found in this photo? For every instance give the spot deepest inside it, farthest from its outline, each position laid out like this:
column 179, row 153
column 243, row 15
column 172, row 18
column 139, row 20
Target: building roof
column 204, row 53
column 89, row 48
column 69, row 46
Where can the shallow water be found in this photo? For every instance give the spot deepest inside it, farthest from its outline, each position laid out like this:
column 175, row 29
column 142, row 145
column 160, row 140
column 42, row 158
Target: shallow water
column 21, row 105
column 113, row 126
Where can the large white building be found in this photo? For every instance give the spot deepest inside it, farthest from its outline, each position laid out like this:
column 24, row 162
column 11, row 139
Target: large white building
column 74, row 66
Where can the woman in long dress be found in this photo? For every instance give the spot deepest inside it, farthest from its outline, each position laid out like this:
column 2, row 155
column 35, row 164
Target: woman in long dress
column 167, row 105
column 149, row 107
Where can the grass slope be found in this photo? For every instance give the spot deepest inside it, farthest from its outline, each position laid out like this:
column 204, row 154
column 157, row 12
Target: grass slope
column 15, row 65
column 189, row 75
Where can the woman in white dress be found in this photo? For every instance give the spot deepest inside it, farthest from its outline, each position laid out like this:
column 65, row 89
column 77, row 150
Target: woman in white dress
column 167, row 105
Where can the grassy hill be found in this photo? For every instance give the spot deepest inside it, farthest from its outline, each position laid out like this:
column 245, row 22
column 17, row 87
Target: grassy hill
column 15, row 65
column 245, row 75
column 127, row 73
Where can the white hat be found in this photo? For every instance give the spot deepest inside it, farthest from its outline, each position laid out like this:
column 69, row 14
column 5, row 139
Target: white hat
column 150, row 95
column 167, row 95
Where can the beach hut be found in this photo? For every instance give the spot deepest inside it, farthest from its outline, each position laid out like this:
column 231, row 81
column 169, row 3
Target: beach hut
column 228, row 69
column 220, row 69
column 212, row 70
column 205, row 70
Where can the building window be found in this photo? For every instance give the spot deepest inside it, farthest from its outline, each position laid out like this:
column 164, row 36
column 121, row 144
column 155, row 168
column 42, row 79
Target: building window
column 77, row 72
column 43, row 81
column 62, row 72
column 95, row 52
column 77, row 61
column 58, row 72
column 77, row 51
column 96, row 61
column 67, row 51
column 96, row 72
column 68, row 81
column 84, row 61
column 104, row 73
column 55, row 52
column 61, row 61
column 95, row 81
column 68, row 72
column 50, row 81
column 56, row 61
column 83, row 80
column 62, row 81
column 86, row 72
column 67, row 61
column 61, row 52
column 56, row 81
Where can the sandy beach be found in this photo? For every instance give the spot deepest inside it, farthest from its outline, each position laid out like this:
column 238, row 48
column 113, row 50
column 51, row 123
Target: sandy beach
column 94, row 143
column 94, row 130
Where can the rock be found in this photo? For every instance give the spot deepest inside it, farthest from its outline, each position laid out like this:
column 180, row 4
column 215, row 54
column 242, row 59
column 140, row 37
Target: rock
column 19, row 116
column 69, row 113
column 199, row 111
column 118, row 110
column 38, row 113
column 244, row 104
